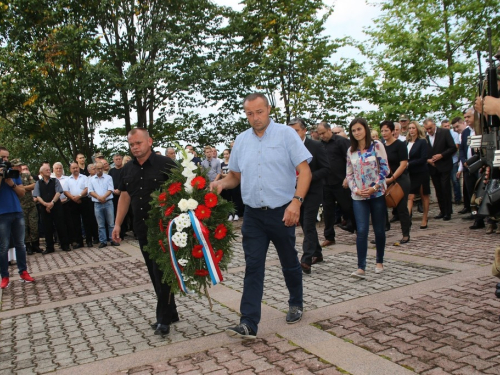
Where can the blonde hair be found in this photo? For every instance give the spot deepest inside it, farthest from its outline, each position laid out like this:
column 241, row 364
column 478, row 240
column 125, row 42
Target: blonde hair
column 420, row 131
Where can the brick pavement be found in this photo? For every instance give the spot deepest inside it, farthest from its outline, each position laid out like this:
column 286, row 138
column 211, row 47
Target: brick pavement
column 452, row 330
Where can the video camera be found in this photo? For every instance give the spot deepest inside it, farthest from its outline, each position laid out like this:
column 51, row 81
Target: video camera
column 7, row 171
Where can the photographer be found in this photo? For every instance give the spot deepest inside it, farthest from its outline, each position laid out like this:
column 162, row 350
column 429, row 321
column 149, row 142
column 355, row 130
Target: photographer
column 11, row 220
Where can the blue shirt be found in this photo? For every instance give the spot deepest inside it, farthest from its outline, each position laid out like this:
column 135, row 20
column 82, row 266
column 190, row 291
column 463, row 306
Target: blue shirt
column 100, row 185
column 9, row 201
column 267, row 164
column 456, row 139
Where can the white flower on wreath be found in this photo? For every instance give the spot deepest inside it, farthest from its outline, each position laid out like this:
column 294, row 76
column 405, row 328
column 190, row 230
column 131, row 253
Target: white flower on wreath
column 187, row 186
column 187, row 204
column 182, row 221
column 192, row 204
column 183, row 262
column 180, row 239
column 188, row 173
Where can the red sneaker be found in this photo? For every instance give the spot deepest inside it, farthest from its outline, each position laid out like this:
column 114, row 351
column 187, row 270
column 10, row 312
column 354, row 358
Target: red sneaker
column 5, row 282
column 25, row 277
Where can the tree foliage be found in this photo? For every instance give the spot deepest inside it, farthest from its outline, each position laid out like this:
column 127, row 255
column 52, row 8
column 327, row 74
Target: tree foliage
column 423, row 55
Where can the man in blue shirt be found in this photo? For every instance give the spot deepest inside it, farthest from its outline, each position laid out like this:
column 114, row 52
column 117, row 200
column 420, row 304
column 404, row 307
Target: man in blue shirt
column 11, row 223
column 265, row 161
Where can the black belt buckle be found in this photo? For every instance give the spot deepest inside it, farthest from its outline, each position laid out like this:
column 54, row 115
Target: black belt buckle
column 265, row 208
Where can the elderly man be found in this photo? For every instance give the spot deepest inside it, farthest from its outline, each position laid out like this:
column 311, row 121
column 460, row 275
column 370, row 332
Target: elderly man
column 170, row 152
column 100, row 188
column 47, row 192
column 265, row 160
column 440, row 161
column 78, row 202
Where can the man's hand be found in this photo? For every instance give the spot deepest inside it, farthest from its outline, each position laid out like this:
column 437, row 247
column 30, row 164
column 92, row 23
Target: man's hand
column 116, row 234
column 431, row 162
column 437, row 157
column 345, row 184
column 216, row 186
column 489, row 105
column 292, row 213
column 458, row 174
column 116, row 192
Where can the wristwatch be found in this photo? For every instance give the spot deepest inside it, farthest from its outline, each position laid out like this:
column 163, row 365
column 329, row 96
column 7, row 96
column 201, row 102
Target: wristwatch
column 14, row 186
column 376, row 188
column 300, row 199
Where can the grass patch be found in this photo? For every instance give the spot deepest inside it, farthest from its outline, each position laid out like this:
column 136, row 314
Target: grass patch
column 408, row 367
column 342, row 371
column 386, row 357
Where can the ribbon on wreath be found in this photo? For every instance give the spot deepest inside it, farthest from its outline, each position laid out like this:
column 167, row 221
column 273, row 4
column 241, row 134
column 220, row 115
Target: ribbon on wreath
column 208, row 252
column 173, row 260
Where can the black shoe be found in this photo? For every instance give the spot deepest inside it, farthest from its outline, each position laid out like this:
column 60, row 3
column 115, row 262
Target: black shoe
column 36, row 247
column 403, row 241
column 387, row 226
column 347, row 228
column 469, row 217
column 294, row 314
column 66, row 249
column 373, row 242
column 47, row 251
column 241, row 331
column 89, row 244
column 420, row 207
column 440, row 216
column 102, row 244
column 394, row 219
column 464, row 211
column 306, row 268
column 424, row 226
column 338, row 221
column 29, row 252
column 477, row 225
column 446, row 217
column 77, row 246
column 162, row 329
column 317, row 259
column 154, row 326
column 113, row 243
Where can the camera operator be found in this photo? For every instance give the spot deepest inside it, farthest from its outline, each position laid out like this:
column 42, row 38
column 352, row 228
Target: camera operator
column 11, row 220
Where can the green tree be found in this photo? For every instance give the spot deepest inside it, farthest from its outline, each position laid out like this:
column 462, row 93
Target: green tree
column 423, row 56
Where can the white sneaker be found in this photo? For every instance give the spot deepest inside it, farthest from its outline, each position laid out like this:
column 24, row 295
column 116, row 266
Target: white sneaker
column 230, row 218
column 236, row 218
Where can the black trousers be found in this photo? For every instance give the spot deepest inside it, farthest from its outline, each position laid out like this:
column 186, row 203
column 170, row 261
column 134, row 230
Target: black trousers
column 332, row 194
column 442, row 185
column 402, row 208
column 308, row 215
column 80, row 212
column 166, row 309
column 49, row 219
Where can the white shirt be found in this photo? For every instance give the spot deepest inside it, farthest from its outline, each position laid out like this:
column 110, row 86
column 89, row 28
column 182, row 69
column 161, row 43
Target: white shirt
column 63, row 179
column 431, row 139
column 76, row 186
column 100, row 185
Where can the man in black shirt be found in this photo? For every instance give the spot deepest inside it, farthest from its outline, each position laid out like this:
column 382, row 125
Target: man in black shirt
column 335, row 188
column 146, row 173
column 116, row 175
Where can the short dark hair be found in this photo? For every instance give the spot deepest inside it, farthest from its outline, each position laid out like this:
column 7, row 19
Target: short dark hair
column 389, row 124
column 456, row 119
column 325, row 125
column 368, row 137
column 255, row 95
column 3, row 149
column 298, row 120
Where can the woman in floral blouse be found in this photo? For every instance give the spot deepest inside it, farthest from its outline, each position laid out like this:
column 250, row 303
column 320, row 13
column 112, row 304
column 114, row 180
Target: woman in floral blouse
column 367, row 169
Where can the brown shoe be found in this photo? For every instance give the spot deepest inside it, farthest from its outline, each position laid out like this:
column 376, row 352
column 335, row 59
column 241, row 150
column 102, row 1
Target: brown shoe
column 306, row 268
column 490, row 228
column 317, row 259
column 327, row 243
column 496, row 263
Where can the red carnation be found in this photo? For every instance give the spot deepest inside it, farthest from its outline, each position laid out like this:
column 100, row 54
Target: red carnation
column 169, row 210
column 202, row 212
column 161, row 225
column 174, row 188
column 197, row 251
column 198, row 182
column 218, row 255
column 211, row 200
column 201, row 273
column 162, row 247
column 220, row 231
column 162, row 197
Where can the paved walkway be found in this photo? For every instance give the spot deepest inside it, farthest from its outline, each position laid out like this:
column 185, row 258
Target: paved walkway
column 433, row 311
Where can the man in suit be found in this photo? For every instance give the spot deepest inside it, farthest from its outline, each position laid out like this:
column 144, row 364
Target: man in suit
column 440, row 161
column 466, row 152
column 335, row 188
column 309, row 210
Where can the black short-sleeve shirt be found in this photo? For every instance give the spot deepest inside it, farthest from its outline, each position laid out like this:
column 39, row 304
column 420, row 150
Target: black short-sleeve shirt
column 139, row 181
column 396, row 152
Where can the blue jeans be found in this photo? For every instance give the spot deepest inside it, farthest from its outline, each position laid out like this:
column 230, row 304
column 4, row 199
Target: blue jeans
column 104, row 213
column 12, row 226
column 362, row 210
column 259, row 228
column 455, row 182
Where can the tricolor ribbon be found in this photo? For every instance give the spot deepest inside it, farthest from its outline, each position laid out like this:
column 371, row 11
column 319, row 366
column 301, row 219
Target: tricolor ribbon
column 173, row 260
column 208, row 252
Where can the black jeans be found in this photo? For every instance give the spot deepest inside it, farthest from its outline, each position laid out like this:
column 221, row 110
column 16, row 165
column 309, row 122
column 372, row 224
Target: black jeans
column 442, row 184
column 308, row 216
column 165, row 307
column 332, row 194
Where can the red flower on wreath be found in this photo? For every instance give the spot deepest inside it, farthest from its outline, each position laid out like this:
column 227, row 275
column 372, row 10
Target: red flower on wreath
column 201, row 273
column 202, row 212
column 162, row 197
column 197, row 251
column 218, row 255
column 174, row 188
column 211, row 200
column 161, row 225
column 220, row 231
column 169, row 210
column 162, row 247
column 199, row 182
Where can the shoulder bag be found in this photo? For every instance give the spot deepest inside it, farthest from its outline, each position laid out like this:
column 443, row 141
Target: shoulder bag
column 394, row 193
